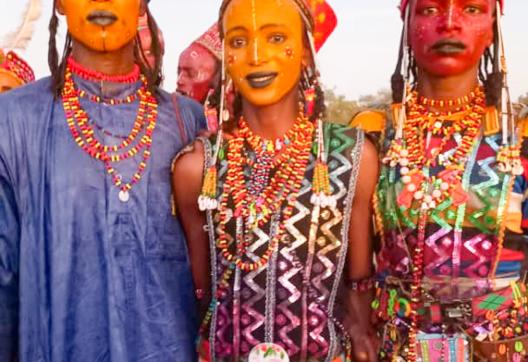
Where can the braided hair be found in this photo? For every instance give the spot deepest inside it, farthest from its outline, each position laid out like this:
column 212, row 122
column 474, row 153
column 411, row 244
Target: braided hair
column 58, row 66
column 309, row 77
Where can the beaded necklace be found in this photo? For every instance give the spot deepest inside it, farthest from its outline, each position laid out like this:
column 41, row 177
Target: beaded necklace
column 263, row 195
column 413, row 157
column 441, row 103
column 139, row 139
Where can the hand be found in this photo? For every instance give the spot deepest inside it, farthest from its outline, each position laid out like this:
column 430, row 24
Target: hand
column 365, row 344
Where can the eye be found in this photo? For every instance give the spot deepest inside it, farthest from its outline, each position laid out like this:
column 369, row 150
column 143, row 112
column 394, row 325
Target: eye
column 430, row 10
column 277, row 38
column 238, row 42
column 472, row 9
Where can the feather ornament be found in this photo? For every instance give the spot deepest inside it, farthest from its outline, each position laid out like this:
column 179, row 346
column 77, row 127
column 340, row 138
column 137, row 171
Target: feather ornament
column 20, row 38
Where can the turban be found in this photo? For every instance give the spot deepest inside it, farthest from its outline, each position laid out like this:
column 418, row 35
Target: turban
column 210, row 40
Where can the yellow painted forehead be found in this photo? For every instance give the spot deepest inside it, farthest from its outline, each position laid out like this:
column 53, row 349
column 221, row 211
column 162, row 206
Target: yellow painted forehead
column 252, row 15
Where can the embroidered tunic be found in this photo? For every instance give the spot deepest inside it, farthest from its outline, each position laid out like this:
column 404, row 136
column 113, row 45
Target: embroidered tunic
column 84, row 276
column 469, row 264
column 271, row 304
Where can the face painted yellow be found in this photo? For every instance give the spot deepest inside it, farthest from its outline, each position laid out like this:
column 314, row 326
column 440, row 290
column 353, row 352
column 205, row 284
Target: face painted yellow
column 264, row 48
column 102, row 25
column 8, row 81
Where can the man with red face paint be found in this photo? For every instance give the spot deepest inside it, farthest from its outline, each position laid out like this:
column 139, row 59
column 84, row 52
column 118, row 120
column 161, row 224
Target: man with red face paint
column 199, row 66
column 450, row 195
column 93, row 265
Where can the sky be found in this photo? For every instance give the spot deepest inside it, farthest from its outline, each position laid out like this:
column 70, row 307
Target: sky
column 358, row 59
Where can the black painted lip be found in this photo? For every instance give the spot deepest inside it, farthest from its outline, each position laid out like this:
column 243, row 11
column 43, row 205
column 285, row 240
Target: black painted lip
column 449, row 46
column 260, row 80
column 102, row 17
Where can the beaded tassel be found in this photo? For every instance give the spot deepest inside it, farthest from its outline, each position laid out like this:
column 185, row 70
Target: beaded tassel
column 309, row 98
column 207, row 199
column 321, row 190
column 509, row 159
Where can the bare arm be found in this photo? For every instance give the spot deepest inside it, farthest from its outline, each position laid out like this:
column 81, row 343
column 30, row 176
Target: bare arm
column 187, row 183
column 359, row 258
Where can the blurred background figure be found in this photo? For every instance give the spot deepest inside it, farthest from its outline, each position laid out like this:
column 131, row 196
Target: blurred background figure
column 199, row 66
column 14, row 71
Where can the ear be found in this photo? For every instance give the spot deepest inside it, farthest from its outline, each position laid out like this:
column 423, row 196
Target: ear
column 59, row 6
column 142, row 7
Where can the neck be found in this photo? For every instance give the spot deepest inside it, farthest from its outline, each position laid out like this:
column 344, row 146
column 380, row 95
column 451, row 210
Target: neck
column 445, row 88
column 116, row 62
column 272, row 121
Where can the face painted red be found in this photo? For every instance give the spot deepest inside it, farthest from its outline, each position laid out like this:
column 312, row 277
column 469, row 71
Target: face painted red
column 196, row 72
column 448, row 37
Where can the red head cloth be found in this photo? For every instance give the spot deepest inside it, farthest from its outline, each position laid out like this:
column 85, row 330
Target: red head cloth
column 325, row 21
column 404, row 3
column 12, row 63
column 211, row 41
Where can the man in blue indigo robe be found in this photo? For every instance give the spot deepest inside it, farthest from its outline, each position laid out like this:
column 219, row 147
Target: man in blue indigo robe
column 93, row 265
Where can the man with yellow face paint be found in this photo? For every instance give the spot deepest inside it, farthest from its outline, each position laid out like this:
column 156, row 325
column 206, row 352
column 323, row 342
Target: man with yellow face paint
column 93, row 265
column 285, row 201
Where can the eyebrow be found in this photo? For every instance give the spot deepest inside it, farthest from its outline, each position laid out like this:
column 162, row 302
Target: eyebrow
column 263, row 27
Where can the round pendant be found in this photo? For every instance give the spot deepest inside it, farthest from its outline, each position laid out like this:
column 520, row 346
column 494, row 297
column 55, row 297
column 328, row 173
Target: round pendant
column 268, row 352
column 124, row 196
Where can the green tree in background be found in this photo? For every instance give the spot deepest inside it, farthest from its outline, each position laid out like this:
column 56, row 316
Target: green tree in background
column 338, row 108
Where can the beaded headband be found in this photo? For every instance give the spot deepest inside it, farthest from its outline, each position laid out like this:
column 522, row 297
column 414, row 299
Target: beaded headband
column 16, row 66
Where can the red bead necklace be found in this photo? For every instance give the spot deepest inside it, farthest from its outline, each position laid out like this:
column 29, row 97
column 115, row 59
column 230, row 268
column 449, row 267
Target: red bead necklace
column 111, row 101
column 443, row 103
column 284, row 185
column 96, row 76
column 85, row 137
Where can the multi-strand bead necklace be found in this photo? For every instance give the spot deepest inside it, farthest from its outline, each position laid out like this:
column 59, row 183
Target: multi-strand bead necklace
column 277, row 173
column 139, row 139
column 414, row 156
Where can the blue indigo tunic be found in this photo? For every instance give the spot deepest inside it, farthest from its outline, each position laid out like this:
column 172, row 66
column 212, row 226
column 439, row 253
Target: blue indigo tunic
column 84, row 276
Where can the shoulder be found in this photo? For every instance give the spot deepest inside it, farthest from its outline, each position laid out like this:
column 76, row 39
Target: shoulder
column 186, row 109
column 522, row 121
column 370, row 121
column 30, row 94
column 189, row 163
column 184, row 103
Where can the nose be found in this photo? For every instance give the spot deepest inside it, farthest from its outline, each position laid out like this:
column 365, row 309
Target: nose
column 451, row 19
column 256, row 52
